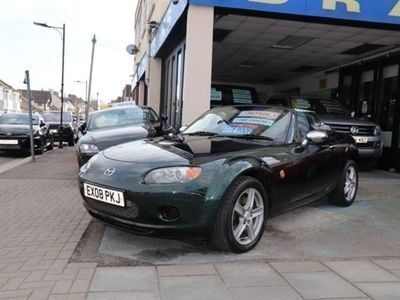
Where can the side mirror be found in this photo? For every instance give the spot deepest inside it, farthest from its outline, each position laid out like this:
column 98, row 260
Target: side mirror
column 163, row 118
column 317, row 137
column 42, row 124
column 82, row 128
column 183, row 128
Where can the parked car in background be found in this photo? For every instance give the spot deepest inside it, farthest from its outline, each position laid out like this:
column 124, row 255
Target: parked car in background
column 69, row 127
column 232, row 95
column 15, row 133
column 114, row 126
column 367, row 134
column 222, row 177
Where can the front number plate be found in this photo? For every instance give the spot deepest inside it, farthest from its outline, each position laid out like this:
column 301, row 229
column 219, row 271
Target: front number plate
column 9, row 142
column 360, row 139
column 104, row 195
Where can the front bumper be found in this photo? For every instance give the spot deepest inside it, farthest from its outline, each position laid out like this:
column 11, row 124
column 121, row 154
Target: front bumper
column 142, row 213
column 373, row 149
column 20, row 143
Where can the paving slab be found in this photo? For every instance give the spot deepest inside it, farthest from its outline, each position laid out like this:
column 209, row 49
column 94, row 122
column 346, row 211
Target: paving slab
column 147, row 295
column 389, row 264
column 381, row 290
column 249, row 274
column 209, row 287
column 124, row 279
column 361, row 271
column 299, row 266
column 186, row 270
column 265, row 293
column 322, row 285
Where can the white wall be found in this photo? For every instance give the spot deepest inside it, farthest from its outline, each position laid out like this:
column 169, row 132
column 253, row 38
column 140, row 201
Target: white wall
column 198, row 62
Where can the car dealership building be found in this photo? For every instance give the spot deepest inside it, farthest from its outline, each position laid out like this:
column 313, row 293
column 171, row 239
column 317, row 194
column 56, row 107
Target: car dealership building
column 343, row 49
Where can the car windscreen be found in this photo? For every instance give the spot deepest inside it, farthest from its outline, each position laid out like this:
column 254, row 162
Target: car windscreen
column 232, row 95
column 320, row 106
column 55, row 116
column 18, row 119
column 118, row 118
column 242, row 121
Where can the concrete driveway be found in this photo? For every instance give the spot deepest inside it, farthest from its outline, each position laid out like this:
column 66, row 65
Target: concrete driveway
column 368, row 229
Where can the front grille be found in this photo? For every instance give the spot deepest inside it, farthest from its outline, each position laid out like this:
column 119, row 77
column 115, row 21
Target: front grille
column 363, row 130
column 13, row 134
column 130, row 211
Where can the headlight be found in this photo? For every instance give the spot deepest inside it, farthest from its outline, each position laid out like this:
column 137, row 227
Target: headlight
column 378, row 130
column 88, row 148
column 172, row 175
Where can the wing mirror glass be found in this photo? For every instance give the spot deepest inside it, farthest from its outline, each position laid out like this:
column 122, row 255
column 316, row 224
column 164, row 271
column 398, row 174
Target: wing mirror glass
column 317, row 137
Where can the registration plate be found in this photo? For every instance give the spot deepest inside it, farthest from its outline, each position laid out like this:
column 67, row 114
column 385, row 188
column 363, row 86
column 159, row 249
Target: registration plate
column 9, row 142
column 104, row 195
column 360, row 139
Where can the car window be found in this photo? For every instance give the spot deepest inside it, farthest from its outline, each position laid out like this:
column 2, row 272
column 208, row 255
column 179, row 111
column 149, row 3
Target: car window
column 264, row 122
column 320, row 106
column 153, row 118
column 55, row 116
column 18, row 119
column 118, row 118
column 304, row 125
column 278, row 101
column 231, row 95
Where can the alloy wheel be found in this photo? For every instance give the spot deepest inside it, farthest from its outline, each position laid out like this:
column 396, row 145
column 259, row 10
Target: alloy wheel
column 350, row 184
column 248, row 216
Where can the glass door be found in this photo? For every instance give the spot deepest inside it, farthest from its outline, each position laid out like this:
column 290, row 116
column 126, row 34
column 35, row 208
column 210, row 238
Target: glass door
column 172, row 102
column 389, row 115
column 365, row 105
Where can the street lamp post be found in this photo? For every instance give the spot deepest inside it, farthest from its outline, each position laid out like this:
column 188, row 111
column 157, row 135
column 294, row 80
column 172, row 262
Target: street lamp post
column 62, row 75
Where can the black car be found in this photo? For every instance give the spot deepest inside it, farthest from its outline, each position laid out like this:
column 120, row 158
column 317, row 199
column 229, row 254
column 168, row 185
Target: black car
column 69, row 129
column 114, row 126
column 222, row 177
column 15, row 133
column 367, row 134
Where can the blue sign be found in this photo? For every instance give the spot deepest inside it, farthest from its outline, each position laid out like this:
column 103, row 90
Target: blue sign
column 375, row 11
column 172, row 15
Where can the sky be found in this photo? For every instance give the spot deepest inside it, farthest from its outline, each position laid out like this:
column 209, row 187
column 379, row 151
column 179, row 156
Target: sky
column 24, row 46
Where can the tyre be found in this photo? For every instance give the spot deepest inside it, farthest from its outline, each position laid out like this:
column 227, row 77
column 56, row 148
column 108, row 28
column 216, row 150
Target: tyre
column 41, row 148
column 346, row 191
column 51, row 145
column 71, row 141
column 241, row 217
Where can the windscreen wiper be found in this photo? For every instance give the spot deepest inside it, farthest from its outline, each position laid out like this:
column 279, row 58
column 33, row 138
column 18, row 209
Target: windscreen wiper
column 201, row 133
column 249, row 136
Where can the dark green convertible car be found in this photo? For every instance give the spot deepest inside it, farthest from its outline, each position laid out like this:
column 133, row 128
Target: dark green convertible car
column 223, row 176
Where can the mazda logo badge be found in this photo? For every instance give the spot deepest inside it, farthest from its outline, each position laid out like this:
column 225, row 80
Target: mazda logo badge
column 354, row 130
column 109, row 172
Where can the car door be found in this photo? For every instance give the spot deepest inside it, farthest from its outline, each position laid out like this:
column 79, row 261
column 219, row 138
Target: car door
column 314, row 167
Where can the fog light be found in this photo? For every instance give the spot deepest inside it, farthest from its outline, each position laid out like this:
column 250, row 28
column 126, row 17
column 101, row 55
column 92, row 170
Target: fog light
column 169, row 213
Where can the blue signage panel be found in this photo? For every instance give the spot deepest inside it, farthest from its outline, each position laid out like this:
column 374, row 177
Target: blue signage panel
column 172, row 15
column 376, row 11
